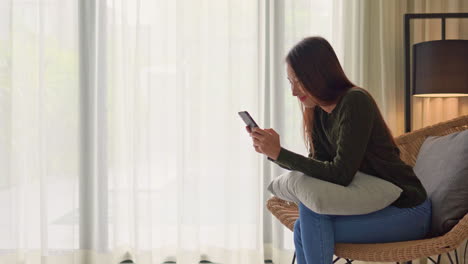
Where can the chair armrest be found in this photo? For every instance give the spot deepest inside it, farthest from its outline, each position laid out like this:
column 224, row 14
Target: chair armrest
column 286, row 212
column 458, row 233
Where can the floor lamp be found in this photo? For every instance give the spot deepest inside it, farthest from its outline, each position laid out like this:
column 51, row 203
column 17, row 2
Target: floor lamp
column 440, row 67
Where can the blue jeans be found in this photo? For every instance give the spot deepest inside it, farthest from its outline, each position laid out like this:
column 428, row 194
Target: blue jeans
column 315, row 234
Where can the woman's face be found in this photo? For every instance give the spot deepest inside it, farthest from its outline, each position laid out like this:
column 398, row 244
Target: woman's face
column 298, row 89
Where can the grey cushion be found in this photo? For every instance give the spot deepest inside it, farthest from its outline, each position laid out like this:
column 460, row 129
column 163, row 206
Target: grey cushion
column 365, row 194
column 442, row 167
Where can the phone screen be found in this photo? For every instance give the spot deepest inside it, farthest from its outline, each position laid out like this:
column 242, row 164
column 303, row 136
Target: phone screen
column 248, row 119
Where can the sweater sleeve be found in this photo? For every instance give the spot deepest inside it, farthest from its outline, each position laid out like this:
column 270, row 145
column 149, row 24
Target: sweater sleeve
column 355, row 122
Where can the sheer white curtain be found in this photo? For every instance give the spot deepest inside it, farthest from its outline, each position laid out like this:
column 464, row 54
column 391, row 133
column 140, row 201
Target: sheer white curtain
column 39, row 129
column 183, row 182
column 119, row 131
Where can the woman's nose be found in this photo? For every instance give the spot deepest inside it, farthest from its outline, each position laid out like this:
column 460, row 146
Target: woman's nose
column 294, row 92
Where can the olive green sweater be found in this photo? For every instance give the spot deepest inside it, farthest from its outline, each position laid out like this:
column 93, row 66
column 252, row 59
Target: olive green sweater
column 354, row 137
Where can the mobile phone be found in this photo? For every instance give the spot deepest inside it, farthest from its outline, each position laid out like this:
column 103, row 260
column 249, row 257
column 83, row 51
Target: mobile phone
column 248, row 119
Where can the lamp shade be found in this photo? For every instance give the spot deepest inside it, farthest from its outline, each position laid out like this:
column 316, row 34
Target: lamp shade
column 440, row 68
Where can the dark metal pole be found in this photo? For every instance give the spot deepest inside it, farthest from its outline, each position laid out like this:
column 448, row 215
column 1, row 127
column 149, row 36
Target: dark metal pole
column 456, row 256
column 443, row 28
column 407, row 75
column 450, row 258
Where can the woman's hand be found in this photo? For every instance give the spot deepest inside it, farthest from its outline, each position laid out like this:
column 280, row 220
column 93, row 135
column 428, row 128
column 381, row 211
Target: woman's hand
column 265, row 141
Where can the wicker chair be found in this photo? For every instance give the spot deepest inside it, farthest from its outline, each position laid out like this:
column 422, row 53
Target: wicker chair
column 405, row 251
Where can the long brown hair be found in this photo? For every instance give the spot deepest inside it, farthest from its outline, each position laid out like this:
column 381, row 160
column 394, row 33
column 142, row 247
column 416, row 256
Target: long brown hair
column 317, row 68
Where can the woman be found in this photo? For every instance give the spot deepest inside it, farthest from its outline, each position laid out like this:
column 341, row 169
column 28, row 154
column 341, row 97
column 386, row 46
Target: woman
column 344, row 132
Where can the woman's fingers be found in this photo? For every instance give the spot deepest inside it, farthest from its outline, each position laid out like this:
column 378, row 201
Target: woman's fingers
column 265, row 132
column 258, row 133
column 260, row 137
column 271, row 131
column 265, row 141
column 257, row 149
column 257, row 136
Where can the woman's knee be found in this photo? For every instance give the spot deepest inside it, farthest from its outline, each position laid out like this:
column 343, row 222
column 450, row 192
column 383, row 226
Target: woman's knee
column 305, row 212
column 297, row 229
column 297, row 225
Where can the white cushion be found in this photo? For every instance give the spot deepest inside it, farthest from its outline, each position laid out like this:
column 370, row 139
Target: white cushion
column 365, row 194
